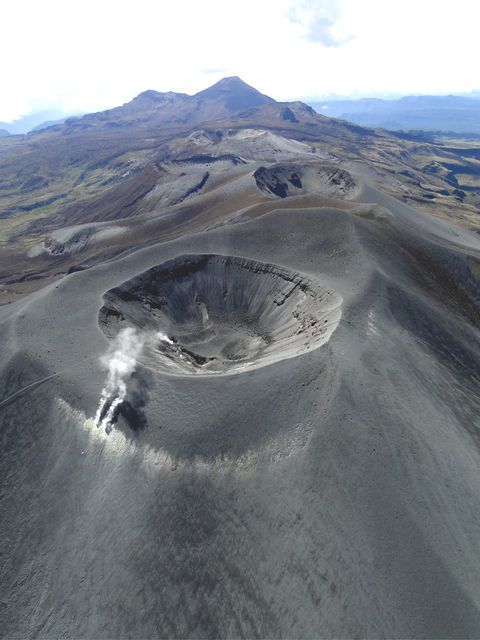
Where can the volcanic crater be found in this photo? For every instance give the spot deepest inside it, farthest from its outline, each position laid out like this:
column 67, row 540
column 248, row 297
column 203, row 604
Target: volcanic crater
column 218, row 315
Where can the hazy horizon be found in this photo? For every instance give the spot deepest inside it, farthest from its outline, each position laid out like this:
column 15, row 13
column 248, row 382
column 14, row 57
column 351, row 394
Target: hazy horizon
column 54, row 112
column 102, row 56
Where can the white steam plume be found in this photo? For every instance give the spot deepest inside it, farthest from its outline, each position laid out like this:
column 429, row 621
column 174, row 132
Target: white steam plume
column 164, row 338
column 120, row 361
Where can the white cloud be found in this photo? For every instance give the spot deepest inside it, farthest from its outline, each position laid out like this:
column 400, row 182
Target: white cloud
column 94, row 55
column 319, row 19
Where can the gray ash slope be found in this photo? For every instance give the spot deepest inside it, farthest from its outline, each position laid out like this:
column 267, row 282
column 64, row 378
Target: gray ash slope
column 332, row 494
column 329, row 494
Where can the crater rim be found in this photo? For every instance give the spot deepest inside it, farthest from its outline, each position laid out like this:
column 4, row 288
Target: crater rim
column 220, row 315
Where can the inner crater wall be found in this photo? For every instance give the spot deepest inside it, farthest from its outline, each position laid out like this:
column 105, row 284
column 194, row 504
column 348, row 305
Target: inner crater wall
column 216, row 314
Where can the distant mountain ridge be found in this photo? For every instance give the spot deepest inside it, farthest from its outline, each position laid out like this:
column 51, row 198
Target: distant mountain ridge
column 225, row 98
column 231, row 95
column 35, row 121
column 457, row 114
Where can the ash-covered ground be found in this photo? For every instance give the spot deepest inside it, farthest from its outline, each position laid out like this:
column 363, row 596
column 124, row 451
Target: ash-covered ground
column 239, row 377
column 329, row 494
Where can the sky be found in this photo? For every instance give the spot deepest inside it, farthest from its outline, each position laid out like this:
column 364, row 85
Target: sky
column 92, row 55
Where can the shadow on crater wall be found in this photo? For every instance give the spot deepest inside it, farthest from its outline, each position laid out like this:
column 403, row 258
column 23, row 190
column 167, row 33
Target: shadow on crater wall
column 213, row 314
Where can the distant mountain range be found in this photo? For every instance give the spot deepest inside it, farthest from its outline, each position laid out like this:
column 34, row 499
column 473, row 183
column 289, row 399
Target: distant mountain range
column 34, row 121
column 457, row 114
column 229, row 95
column 214, row 102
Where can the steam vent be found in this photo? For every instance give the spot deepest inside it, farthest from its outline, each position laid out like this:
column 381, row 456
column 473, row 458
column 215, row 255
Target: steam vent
column 214, row 315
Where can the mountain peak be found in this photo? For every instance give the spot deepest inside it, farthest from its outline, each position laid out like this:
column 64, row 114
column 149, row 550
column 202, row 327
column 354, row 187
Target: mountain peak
column 235, row 93
column 231, row 82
